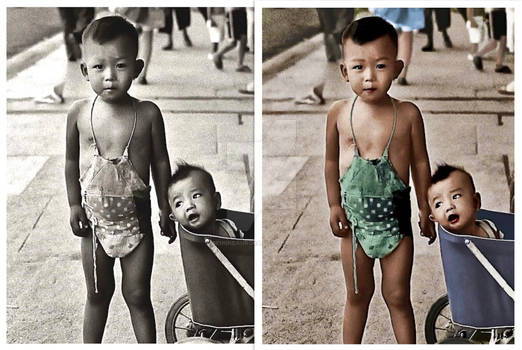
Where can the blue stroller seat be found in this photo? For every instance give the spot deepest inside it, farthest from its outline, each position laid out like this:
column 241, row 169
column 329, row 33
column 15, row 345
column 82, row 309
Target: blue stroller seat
column 476, row 299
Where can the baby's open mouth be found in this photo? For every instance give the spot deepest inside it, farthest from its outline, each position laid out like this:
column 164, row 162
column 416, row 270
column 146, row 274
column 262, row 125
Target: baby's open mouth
column 193, row 216
column 453, row 218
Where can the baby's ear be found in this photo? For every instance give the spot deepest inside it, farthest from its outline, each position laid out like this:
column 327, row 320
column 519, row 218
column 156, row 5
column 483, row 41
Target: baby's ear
column 84, row 71
column 217, row 198
column 399, row 66
column 477, row 200
column 432, row 218
column 344, row 71
column 139, row 67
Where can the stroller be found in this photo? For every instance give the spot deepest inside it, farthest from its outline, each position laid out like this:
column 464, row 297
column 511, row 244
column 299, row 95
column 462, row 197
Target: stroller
column 479, row 274
column 219, row 273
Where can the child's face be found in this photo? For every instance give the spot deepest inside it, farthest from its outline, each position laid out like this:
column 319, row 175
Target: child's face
column 110, row 67
column 370, row 68
column 193, row 204
column 453, row 203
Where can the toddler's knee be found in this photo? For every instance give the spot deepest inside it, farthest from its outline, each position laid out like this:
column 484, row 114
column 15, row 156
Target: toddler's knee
column 396, row 298
column 362, row 298
column 103, row 296
column 136, row 297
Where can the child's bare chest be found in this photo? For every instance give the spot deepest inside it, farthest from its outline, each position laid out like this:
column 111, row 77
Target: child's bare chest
column 112, row 134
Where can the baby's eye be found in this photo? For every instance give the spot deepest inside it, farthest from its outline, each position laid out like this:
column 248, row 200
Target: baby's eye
column 196, row 195
column 97, row 66
column 121, row 66
column 457, row 196
column 177, row 204
column 437, row 205
column 381, row 66
column 357, row 67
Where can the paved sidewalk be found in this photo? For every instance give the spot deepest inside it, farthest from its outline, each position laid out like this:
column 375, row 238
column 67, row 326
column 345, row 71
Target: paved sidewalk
column 303, row 284
column 207, row 122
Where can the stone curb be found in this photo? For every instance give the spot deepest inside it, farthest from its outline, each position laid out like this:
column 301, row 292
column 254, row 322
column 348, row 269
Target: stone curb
column 32, row 54
column 290, row 56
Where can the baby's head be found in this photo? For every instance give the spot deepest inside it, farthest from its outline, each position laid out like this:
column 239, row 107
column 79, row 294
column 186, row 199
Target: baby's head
column 369, row 64
column 453, row 199
column 110, row 48
column 193, row 198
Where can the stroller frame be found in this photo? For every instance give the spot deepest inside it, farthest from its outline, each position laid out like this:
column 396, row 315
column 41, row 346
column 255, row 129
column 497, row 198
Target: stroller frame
column 218, row 270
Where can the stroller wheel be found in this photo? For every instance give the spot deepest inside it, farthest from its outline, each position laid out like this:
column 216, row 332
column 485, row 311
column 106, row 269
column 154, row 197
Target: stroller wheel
column 438, row 324
column 179, row 324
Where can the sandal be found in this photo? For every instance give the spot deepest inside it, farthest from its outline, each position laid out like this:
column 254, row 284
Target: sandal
column 244, row 69
column 504, row 91
column 503, row 69
column 52, row 99
column 218, row 62
column 402, row 81
column 313, row 99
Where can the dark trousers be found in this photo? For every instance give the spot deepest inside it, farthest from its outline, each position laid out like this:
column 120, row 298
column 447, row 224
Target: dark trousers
column 182, row 18
column 333, row 21
column 442, row 17
column 74, row 20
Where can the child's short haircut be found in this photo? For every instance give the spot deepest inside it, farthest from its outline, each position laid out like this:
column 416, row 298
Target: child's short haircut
column 183, row 170
column 444, row 170
column 108, row 28
column 367, row 29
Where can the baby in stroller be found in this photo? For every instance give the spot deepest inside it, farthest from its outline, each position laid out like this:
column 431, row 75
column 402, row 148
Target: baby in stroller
column 454, row 203
column 194, row 202
column 478, row 264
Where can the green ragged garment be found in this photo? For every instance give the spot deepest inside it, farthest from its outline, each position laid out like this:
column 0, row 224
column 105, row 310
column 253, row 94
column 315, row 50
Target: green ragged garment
column 376, row 202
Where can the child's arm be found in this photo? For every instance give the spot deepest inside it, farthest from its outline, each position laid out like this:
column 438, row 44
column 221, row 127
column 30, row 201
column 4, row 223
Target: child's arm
column 421, row 174
column 160, row 167
column 72, row 174
column 338, row 221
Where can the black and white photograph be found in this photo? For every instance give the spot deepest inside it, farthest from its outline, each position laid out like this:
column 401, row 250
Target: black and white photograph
column 129, row 175
column 380, row 127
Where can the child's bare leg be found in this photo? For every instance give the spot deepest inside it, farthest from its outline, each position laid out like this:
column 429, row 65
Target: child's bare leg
column 396, row 276
column 405, row 48
column 97, row 304
column 145, row 46
column 136, row 273
column 356, row 307
column 501, row 51
column 242, row 49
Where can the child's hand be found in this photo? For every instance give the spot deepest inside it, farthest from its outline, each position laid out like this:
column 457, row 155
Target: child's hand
column 78, row 221
column 167, row 227
column 427, row 228
column 338, row 222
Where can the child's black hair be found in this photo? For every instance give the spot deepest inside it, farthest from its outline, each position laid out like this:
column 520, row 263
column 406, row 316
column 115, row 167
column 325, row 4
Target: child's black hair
column 367, row 29
column 108, row 28
column 444, row 170
column 183, row 171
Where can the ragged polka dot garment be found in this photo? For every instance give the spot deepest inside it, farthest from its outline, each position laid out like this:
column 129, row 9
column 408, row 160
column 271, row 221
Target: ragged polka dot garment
column 109, row 190
column 375, row 199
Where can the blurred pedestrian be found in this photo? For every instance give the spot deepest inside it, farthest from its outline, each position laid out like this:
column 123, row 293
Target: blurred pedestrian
column 74, row 20
column 443, row 19
column 237, row 26
column 146, row 19
column 216, row 28
column 183, row 22
column 476, row 26
column 333, row 21
column 405, row 20
column 498, row 32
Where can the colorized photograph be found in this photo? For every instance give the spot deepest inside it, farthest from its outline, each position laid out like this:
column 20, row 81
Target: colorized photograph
column 130, row 175
column 388, row 175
